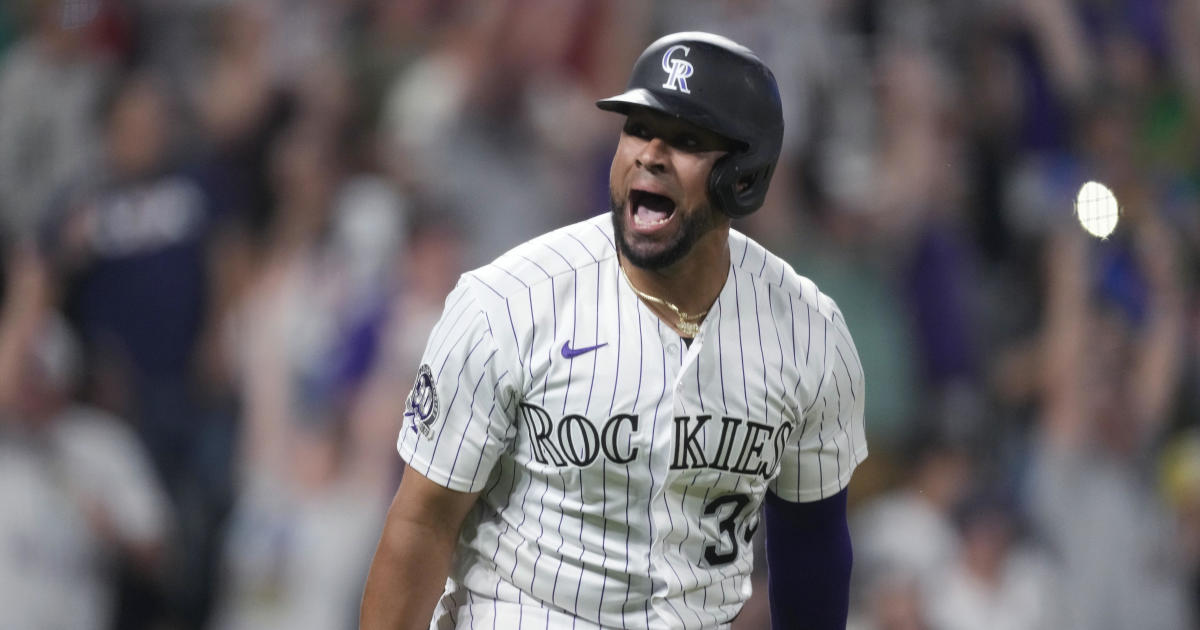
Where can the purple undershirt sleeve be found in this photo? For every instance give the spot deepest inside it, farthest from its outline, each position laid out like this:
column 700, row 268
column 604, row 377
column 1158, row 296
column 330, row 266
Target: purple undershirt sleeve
column 808, row 563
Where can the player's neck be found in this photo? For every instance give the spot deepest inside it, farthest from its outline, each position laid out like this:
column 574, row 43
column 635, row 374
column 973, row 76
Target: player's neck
column 693, row 283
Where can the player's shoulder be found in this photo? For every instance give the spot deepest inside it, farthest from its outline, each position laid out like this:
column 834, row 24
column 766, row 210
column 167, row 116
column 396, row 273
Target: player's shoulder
column 763, row 266
column 565, row 250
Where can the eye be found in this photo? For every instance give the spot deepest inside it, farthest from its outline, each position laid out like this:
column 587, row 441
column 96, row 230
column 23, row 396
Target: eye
column 687, row 142
column 637, row 129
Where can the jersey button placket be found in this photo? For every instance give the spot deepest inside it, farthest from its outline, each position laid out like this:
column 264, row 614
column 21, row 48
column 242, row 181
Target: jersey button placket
column 660, row 572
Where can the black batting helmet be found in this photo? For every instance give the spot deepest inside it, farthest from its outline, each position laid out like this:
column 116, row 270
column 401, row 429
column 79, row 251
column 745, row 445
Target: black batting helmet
column 720, row 85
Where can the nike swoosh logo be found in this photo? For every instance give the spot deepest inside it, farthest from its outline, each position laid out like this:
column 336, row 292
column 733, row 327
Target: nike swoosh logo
column 570, row 353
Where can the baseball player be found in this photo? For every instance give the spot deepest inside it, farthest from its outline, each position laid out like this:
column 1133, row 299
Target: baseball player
column 601, row 413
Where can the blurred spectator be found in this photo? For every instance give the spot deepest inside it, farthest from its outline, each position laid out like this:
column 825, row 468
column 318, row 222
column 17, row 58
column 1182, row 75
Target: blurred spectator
column 50, row 83
column 494, row 124
column 430, row 267
column 240, row 112
column 1180, row 478
column 893, row 600
column 917, row 207
column 79, row 495
column 997, row 582
column 1111, row 363
column 131, row 240
column 909, row 531
column 313, row 463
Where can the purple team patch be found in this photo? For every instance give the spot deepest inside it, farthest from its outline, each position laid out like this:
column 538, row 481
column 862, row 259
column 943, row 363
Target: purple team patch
column 422, row 403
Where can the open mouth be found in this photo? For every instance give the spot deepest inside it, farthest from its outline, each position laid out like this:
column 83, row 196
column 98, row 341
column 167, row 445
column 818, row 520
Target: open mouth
column 650, row 209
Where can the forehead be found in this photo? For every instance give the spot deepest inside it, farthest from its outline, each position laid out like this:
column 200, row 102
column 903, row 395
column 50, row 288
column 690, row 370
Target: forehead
column 668, row 125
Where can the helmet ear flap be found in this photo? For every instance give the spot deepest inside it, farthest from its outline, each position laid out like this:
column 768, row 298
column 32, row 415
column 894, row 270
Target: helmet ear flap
column 736, row 190
column 722, row 184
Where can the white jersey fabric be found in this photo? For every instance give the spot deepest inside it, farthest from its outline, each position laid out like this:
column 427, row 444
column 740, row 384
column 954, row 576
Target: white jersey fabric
column 621, row 471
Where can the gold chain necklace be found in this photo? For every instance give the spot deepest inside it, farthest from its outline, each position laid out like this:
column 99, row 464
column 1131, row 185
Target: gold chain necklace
column 688, row 324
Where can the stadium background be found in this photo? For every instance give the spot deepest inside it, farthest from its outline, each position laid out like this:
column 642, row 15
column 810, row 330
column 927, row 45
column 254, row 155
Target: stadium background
column 229, row 225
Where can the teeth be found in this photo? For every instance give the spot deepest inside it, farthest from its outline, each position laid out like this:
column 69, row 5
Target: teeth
column 640, row 221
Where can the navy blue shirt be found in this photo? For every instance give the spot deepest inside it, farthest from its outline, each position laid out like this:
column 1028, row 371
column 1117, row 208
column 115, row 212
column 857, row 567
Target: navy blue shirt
column 143, row 281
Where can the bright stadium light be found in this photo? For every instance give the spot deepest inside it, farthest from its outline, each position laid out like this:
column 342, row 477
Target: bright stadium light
column 1096, row 208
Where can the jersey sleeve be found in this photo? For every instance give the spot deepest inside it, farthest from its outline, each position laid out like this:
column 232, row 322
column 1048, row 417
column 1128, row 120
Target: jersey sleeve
column 456, row 421
column 830, row 440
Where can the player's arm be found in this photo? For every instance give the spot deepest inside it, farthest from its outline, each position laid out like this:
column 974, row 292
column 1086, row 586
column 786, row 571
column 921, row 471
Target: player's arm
column 420, row 534
column 809, row 555
column 413, row 558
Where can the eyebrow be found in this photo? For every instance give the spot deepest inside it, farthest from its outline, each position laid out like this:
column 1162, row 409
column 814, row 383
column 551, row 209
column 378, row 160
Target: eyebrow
column 670, row 126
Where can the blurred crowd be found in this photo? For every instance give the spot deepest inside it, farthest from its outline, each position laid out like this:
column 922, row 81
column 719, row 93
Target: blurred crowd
column 227, row 227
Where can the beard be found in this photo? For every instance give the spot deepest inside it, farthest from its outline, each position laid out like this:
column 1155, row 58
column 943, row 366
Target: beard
column 654, row 255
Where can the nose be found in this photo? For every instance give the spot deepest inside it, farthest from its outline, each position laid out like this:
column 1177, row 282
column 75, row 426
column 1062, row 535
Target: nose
column 653, row 156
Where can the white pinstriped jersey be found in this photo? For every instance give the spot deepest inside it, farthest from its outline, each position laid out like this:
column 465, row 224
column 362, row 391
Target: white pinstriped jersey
column 620, row 471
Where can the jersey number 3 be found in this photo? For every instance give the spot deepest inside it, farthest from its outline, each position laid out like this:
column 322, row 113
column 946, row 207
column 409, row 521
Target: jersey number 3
column 727, row 548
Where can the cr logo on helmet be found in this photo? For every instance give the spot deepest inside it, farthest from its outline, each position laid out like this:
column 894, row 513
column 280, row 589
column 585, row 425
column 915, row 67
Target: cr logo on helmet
column 677, row 70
